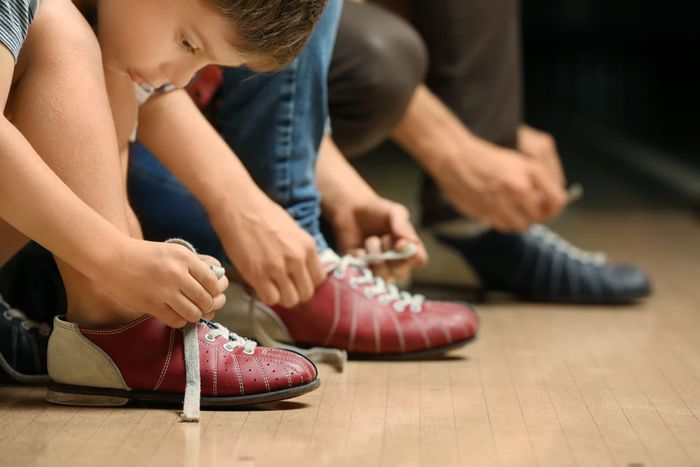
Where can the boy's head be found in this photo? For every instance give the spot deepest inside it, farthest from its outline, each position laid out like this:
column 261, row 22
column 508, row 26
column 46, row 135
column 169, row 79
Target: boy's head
column 167, row 41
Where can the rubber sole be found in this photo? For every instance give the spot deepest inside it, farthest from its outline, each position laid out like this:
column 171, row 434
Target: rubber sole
column 487, row 295
column 83, row 396
column 417, row 355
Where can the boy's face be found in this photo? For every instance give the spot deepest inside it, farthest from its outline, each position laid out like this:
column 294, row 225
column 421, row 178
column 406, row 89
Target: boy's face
column 157, row 42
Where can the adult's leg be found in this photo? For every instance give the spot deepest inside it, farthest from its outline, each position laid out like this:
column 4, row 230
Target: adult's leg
column 475, row 62
column 61, row 106
column 378, row 61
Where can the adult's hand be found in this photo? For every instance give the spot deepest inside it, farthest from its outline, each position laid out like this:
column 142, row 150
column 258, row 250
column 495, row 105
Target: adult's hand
column 501, row 187
column 375, row 227
column 542, row 147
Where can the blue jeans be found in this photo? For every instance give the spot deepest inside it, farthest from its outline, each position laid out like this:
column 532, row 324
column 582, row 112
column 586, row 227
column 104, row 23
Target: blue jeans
column 274, row 123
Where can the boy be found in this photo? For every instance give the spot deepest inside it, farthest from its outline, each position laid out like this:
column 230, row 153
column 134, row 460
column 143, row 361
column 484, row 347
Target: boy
column 166, row 43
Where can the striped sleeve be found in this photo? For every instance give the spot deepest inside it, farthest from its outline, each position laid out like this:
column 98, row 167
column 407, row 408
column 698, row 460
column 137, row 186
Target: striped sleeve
column 15, row 18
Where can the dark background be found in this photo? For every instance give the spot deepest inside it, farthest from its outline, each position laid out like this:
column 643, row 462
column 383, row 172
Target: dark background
column 596, row 68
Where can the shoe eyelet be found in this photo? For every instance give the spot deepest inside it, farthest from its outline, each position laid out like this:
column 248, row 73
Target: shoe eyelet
column 7, row 315
column 353, row 282
column 384, row 300
column 247, row 352
column 338, row 274
column 369, row 293
column 210, row 338
column 228, row 348
column 416, row 309
column 398, row 308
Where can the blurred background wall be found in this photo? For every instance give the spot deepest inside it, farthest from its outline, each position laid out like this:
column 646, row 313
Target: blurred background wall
column 615, row 80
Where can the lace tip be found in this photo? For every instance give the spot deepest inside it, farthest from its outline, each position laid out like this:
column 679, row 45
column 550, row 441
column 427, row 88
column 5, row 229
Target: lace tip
column 189, row 418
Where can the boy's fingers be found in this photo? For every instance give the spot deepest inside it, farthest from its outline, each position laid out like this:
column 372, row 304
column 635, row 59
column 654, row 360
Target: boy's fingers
column 198, row 295
column 219, row 303
column 401, row 226
column 316, row 269
column 210, row 260
column 171, row 318
column 185, row 308
column 203, row 274
column 374, row 247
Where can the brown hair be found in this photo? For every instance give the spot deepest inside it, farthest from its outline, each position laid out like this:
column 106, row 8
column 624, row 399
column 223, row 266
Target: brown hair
column 271, row 32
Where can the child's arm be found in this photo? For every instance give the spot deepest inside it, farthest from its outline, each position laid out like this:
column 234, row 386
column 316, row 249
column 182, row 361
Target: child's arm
column 269, row 249
column 147, row 277
column 35, row 201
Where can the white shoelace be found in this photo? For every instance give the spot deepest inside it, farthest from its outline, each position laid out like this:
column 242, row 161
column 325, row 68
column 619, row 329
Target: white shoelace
column 376, row 286
column 193, row 382
column 234, row 340
column 42, row 328
column 551, row 238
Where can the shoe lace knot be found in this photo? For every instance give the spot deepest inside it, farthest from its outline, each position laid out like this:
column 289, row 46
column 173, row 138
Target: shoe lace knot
column 376, row 287
column 233, row 340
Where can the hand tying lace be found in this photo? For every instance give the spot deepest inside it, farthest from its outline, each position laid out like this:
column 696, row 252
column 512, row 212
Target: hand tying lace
column 376, row 286
column 551, row 238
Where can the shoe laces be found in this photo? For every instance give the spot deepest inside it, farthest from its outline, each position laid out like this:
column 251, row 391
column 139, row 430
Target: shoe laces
column 28, row 324
column 233, row 340
column 553, row 239
column 376, row 287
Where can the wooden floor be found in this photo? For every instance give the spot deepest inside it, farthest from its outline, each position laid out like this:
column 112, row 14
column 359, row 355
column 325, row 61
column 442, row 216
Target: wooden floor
column 543, row 386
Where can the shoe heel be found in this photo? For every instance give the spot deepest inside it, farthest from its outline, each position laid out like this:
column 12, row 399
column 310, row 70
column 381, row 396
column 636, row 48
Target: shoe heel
column 55, row 396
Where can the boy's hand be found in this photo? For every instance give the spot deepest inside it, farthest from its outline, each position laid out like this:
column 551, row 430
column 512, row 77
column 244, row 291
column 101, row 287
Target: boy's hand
column 165, row 280
column 219, row 300
column 272, row 253
column 375, row 227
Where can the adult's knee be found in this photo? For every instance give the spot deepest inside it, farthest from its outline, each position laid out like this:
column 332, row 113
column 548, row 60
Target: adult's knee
column 378, row 61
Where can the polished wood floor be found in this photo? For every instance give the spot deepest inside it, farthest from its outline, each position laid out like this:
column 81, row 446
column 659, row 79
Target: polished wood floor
column 545, row 385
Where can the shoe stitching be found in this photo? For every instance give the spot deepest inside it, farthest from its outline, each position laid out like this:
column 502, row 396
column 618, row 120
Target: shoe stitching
column 216, row 371
column 336, row 312
column 119, row 330
column 447, row 333
column 289, row 377
column 353, row 322
column 426, row 339
column 292, row 367
column 237, row 368
column 377, row 336
column 289, row 362
column 399, row 331
column 262, row 373
column 75, row 334
column 167, row 360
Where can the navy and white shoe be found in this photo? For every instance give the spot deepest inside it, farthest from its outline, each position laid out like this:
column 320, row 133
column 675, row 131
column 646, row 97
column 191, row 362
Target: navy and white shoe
column 23, row 344
column 539, row 265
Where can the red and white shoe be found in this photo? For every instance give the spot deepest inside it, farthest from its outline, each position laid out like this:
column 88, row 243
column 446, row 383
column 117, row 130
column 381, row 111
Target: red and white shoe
column 359, row 313
column 146, row 360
